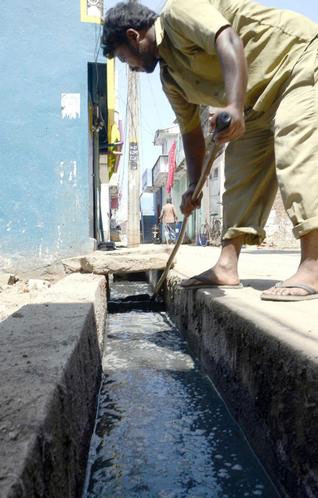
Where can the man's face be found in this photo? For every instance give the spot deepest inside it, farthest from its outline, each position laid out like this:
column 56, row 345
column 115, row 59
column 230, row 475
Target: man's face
column 137, row 54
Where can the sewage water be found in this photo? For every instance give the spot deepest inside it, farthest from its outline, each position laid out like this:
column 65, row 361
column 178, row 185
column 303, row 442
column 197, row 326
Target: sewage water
column 162, row 430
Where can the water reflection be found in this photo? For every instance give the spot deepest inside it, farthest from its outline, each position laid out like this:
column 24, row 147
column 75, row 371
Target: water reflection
column 162, row 430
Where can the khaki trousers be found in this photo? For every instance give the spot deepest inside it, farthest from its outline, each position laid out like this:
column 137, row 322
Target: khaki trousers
column 278, row 149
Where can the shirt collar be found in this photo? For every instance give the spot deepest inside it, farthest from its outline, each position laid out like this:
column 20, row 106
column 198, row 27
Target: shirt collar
column 158, row 31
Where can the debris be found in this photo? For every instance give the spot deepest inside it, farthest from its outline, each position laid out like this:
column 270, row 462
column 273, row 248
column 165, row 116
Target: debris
column 8, row 279
column 13, row 435
column 37, row 284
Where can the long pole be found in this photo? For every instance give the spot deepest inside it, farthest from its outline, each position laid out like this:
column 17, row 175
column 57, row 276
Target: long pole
column 133, row 231
column 212, row 151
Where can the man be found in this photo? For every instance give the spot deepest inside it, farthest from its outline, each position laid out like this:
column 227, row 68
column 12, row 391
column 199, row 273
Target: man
column 261, row 66
column 168, row 217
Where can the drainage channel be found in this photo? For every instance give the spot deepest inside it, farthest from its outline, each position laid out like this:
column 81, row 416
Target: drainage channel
column 162, row 430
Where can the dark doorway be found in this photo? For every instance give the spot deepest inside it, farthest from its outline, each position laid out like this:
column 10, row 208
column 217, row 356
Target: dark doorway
column 98, row 140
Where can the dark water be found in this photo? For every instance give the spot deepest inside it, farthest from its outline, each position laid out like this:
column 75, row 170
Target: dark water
column 162, row 430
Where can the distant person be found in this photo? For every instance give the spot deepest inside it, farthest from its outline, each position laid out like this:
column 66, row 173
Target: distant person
column 260, row 65
column 168, row 217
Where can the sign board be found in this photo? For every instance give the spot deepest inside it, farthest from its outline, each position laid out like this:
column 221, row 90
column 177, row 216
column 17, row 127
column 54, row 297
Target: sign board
column 133, row 155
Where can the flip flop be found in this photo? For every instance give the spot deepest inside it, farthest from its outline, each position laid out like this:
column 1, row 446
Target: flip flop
column 205, row 283
column 312, row 293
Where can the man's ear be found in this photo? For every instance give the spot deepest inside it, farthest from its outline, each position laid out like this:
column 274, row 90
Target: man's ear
column 133, row 37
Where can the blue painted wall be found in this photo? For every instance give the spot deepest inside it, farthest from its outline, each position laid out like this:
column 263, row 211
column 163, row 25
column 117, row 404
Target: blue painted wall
column 45, row 177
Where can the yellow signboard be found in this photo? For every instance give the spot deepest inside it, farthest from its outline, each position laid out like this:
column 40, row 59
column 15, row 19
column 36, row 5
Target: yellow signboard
column 114, row 132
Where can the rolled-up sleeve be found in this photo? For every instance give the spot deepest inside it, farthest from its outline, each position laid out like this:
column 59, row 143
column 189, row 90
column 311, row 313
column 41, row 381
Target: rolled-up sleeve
column 197, row 23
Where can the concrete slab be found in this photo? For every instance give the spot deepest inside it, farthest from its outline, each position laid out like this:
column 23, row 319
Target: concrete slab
column 263, row 356
column 49, row 368
column 139, row 259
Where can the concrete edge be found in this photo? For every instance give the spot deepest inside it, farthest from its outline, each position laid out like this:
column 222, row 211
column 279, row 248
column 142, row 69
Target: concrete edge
column 49, row 401
column 270, row 387
column 120, row 261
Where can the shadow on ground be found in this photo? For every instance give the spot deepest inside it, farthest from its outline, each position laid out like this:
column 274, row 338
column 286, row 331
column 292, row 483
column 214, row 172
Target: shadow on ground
column 259, row 284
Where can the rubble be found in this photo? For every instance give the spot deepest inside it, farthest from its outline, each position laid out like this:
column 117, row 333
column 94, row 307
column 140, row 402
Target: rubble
column 7, row 279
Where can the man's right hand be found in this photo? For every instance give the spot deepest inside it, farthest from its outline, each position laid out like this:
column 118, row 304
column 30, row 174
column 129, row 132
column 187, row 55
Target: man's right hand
column 187, row 206
column 232, row 132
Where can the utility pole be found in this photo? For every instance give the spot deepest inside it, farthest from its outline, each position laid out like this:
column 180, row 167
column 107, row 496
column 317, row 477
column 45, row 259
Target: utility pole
column 133, row 229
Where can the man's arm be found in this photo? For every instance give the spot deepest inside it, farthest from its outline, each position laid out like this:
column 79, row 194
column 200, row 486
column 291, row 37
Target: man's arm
column 160, row 217
column 175, row 214
column 194, row 150
column 229, row 48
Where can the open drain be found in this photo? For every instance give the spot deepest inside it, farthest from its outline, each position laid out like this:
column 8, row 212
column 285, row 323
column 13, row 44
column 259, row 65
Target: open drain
column 141, row 302
column 137, row 299
column 161, row 429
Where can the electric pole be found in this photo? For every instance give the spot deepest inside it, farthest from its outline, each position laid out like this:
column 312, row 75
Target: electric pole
column 133, row 229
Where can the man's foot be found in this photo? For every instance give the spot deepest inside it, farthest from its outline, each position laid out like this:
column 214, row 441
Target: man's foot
column 224, row 273
column 215, row 277
column 301, row 286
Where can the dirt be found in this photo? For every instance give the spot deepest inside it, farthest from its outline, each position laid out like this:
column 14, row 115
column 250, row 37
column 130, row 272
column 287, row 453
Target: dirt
column 26, row 287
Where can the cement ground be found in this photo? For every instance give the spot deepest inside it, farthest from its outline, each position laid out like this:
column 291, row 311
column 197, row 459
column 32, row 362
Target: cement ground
column 294, row 323
column 12, row 297
column 263, row 357
column 50, row 365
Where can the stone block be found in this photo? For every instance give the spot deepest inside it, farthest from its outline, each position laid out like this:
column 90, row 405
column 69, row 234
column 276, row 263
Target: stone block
column 141, row 259
column 50, row 366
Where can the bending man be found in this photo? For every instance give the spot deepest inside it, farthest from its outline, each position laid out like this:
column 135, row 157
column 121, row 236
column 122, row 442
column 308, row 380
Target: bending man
column 261, row 66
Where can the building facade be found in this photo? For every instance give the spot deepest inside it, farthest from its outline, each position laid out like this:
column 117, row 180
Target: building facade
column 53, row 129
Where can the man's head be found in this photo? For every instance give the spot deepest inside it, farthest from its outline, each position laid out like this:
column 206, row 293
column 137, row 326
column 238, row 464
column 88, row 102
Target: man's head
column 128, row 33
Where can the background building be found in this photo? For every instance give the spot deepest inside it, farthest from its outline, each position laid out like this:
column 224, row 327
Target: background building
column 278, row 227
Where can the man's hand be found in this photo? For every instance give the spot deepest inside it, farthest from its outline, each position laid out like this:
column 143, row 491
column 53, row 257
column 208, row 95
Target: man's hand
column 187, row 206
column 236, row 128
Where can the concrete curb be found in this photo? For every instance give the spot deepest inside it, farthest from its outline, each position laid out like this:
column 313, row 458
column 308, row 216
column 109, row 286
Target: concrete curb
column 268, row 379
column 50, row 370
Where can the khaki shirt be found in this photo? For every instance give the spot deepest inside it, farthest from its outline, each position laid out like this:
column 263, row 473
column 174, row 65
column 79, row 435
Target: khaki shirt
column 191, row 74
column 168, row 214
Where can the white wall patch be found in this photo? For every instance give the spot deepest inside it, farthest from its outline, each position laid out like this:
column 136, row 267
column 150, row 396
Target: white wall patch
column 95, row 8
column 70, row 105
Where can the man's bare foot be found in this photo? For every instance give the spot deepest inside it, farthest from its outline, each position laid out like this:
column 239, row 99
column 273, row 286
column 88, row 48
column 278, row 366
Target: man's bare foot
column 307, row 276
column 215, row 276
column 224, row 272
column 305, row 279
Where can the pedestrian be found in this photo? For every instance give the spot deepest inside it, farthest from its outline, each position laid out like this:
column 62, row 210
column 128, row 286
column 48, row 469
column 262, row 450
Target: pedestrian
column 168, row 217
column 260, row 65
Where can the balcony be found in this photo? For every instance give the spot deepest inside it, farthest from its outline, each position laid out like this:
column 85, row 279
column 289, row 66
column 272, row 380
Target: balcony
column 160, row 172
column 147, row 186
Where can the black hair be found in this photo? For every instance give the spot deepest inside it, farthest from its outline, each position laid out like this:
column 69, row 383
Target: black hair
column 120, row 18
